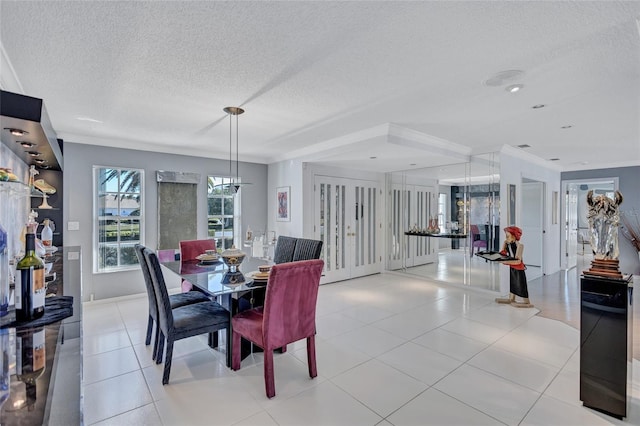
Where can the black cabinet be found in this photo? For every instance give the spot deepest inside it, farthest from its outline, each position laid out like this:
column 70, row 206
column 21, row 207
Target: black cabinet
column 606, row 344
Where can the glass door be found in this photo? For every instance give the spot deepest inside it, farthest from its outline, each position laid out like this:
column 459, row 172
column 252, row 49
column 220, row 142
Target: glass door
column 348, row 223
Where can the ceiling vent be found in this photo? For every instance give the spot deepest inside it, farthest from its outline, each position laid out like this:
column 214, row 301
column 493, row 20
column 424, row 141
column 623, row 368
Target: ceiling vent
column 503, row 77
column 524, row 145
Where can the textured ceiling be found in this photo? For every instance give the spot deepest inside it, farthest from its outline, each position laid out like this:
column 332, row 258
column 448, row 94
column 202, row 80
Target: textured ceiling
column 335, row 82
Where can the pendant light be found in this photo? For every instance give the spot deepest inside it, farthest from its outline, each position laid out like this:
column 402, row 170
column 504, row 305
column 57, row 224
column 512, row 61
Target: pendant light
column 233, row 111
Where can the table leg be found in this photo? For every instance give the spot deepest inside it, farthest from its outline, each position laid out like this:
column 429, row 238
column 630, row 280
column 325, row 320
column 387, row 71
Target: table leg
column 227, row 303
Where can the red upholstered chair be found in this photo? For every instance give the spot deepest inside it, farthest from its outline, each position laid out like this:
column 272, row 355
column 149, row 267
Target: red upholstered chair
column 168, row 255
column 476, row 240
column 189, row 249
column 288, row 315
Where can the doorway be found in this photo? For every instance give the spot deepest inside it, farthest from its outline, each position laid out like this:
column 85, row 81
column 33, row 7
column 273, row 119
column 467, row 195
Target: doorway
column 575, row 246
column 532, row 225
column 348, row 222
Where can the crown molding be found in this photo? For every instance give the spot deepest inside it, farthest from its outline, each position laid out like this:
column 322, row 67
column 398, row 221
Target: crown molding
column 9, row 80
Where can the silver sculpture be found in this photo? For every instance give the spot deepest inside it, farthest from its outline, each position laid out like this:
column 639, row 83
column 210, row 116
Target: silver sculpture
column 604, row 219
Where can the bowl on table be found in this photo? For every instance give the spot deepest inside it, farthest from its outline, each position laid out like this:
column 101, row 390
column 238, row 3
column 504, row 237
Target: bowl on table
column 233, row 257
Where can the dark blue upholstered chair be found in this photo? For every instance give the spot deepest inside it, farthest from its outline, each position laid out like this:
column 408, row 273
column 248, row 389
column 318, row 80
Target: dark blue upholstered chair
column 307, row 249
column 185, row 321
column 284, row 249
column 176, row 300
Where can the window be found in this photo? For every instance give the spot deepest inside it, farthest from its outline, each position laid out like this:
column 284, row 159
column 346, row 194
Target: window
column 442, row 212
column 118, row 212
column 222, row 211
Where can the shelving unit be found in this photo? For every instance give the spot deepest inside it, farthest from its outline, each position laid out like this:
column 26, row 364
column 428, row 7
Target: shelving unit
column 53, row 178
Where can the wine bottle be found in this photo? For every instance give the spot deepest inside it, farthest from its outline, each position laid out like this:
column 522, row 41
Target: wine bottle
column 30, row 288
column 30, row 360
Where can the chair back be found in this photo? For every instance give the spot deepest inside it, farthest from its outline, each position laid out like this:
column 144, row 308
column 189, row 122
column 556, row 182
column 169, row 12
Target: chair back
column 165, row 315
column 307, row 249
column 151, row 294
column 290, row 302
column 168, row 255
column 474, row 231
column 284, row 249
column 189, row 249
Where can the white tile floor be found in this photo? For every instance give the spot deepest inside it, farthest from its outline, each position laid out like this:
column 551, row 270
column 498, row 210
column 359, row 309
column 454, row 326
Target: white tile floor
column 391, row 351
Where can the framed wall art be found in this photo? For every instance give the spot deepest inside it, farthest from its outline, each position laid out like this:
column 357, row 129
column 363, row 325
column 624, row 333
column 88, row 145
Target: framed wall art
column 283, row 204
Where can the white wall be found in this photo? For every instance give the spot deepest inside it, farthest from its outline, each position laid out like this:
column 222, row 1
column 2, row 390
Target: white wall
column 514, row 166
column 286, row 173
column 79, row 160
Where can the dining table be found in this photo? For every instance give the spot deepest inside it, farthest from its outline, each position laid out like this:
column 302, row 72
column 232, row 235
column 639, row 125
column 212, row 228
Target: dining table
column 212, row 278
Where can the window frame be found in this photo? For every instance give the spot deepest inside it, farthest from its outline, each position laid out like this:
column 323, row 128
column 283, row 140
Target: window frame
column 97, row 244
column 235, row 215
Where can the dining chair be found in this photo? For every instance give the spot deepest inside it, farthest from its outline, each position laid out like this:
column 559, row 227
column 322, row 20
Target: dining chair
column 190, row 250
column 185, row 321
column 307, row 249
column 304, row 249
column 476, row 239
column 285, row 246
column 166, row 255
column 288, row 315
column 175, row 300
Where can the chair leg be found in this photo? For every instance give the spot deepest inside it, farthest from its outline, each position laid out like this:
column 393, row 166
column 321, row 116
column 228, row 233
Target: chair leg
column 160, row 348
column 269, row 381
column 311, row 356
column 213, row 339
column 149, row 331
column 236, row 356
column 167, row 361
column 229, row 344
column 156, row 342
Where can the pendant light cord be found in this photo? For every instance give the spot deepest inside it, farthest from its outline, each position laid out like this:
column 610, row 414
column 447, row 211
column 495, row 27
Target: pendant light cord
column 237, row 153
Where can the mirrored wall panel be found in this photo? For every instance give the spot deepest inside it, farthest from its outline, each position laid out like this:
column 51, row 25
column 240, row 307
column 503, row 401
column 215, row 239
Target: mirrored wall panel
column 441, row 217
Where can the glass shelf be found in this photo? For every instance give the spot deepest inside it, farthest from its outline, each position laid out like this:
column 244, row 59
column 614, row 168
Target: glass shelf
column 16, row 189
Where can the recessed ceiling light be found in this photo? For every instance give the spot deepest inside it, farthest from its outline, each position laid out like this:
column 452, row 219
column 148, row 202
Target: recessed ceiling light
column 514, row 88
column 566, row 127
column 16, row 132
column 524, row 145
column 372, row 158
column 554, row 159
column 502, row 78
column 26, row 144
column 538, row 106
column 33, row 153
column 584, row 163
column 39, row 161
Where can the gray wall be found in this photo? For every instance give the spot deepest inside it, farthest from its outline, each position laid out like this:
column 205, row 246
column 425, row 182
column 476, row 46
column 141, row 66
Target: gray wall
column 629, row 180
column 79, row 160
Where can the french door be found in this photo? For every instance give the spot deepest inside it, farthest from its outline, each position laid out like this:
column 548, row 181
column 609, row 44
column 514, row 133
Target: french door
column 411, row 206
column 348, row 222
